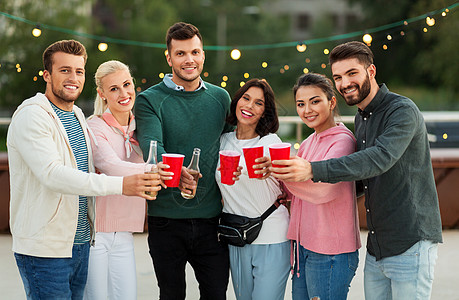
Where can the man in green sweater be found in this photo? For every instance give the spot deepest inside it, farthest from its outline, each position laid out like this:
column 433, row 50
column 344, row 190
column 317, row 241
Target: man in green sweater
column 181, row 113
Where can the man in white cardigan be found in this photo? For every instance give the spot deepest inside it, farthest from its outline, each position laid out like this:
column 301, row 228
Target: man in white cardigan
column 52, row 180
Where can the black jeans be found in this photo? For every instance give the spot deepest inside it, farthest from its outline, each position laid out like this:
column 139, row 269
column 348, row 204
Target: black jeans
column 174, row 242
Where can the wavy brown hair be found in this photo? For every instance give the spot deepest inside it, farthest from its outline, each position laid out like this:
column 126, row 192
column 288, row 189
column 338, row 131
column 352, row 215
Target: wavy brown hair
column 269, row 123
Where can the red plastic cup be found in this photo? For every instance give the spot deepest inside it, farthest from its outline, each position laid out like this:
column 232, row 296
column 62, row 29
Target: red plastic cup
column 229, row 161
column 279, row 151
column 175, row 162
column 250, row 154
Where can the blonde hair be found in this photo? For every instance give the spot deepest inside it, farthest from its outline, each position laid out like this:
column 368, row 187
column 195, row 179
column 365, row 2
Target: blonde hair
column 106, row 68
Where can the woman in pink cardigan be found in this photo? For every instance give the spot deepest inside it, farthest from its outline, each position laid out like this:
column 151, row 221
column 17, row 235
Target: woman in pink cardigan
column 324, row 221
column 112, row 273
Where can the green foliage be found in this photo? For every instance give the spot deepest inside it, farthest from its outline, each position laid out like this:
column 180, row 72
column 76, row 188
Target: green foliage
column 20, row 47
column 417, row 58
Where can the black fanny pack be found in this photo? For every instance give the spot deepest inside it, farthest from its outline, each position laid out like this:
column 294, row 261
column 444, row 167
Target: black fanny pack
column 239, row 230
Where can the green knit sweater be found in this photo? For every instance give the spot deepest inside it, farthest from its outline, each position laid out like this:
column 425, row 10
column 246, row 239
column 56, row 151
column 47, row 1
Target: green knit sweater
column 181, row 121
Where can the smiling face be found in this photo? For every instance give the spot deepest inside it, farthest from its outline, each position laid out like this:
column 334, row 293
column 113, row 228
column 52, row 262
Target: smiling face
column 314, row 108
column 250, row 108
column 186, row 57
column 118, row 90
column 65, row 82
column 352, row 80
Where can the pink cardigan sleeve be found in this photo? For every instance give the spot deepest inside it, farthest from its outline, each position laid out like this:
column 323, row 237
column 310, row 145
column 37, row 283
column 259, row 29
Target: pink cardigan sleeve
column 320, row 192
column 107, row 156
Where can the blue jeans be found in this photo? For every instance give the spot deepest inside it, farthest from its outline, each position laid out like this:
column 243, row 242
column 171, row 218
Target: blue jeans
column 405, row 276
column 327, row 277
column 174, row 242
column 55, row 278
column 260, row 271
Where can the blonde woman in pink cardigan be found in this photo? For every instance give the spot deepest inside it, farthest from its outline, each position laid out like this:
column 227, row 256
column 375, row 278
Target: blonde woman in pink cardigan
column 111, row 273
column 324, row 221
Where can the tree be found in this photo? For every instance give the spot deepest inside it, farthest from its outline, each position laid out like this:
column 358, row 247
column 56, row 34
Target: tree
column 417, row 58
column 20, row 53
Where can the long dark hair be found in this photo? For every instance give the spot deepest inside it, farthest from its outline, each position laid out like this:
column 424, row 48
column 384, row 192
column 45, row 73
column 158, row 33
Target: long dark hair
column 269, row 123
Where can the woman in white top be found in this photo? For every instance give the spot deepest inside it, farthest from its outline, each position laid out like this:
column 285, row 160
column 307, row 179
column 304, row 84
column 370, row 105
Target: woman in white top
column 259, row 270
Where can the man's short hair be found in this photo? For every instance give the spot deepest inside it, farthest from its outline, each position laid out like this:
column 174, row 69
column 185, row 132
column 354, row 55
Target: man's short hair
column 352, row 49
column 181, row 31
column 66, row 46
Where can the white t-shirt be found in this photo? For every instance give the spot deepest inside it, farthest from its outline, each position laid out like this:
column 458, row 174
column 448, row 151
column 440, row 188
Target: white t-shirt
column 252, row 197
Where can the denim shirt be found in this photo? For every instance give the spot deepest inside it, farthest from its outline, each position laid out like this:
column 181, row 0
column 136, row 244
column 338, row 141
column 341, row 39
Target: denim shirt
column 172, row 85
column 394, row 166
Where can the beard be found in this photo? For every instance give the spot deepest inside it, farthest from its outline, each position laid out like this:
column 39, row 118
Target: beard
column 63, row 96
column 363, row 92
column 190, row 78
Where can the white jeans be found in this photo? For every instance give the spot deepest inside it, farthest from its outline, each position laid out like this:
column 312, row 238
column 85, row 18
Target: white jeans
column 111, row 271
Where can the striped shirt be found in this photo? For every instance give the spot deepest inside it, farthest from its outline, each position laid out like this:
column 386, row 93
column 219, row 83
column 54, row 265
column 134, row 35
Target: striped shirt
column 80, row 151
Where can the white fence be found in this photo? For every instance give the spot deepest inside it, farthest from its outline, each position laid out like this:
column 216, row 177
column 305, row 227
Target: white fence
column 429, row 116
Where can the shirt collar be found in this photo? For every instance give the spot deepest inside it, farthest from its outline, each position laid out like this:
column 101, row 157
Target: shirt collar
column 368, row 111
column 172, row 85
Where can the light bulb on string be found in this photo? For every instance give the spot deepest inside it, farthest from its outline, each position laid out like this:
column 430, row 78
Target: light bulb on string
column 102, row 47
column 235, row 54
column 389, row 37
column 367, row 39
column 301, row 47
column 326, row 51
column 264, row 65
column 443, row 14
column 36, row 31
column 430, row 21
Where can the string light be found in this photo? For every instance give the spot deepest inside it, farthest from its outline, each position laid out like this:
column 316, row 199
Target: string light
column 326, row 51
column 301, row 47
column 102, row 47
column 36, row 31
column 161, row 75
column 425, row 29
column 445, row 136
column 430, row 21
column 384, row 47
column 323, row 66
column 246, row 75
column 165, row 52
column 241, row 84
column 389, row 37
column 286, row 67
column 206, row 74
column 367, row 39
column 264, row 65
column 443, row 14
column 225, row 78
column 235, row 54
column 305, row 70
column 40, row 73
column 223, row 84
